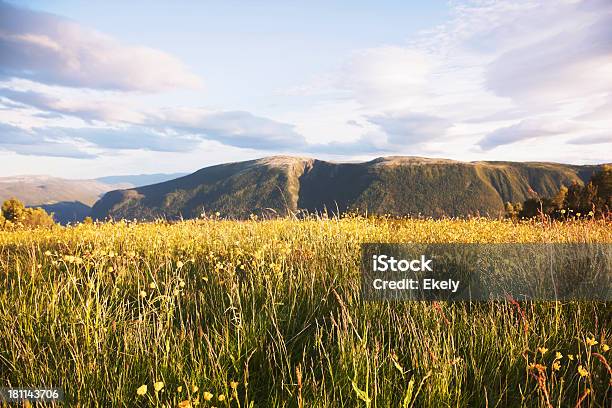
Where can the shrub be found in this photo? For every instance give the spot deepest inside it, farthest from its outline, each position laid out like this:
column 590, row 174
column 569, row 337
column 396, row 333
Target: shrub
column 15, row 214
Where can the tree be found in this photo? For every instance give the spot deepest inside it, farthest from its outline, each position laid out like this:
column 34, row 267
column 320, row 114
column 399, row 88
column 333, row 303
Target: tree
column 37, row 217
column 13, row 210
column 603, row 182
column 594, row 199
column 559, row 199
column 18, row 215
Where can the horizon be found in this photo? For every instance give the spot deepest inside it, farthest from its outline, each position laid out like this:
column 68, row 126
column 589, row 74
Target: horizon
column 111, row 89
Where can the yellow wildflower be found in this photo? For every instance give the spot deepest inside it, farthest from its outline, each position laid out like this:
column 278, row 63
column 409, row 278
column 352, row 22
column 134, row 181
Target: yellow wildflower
column 194, row 388
column 142, row 390
column 582, row 371
column 179, row 388
column 571, row 357
column 556, row 366
column 143, row 293
column 221, row 397
column 207, row 396
column 234, row 385
column 184, row 404
column 558, row 356
column 605, row 347
column 542, row 350
column 152, row 285
column 158, row 386
column 179, row 264
column 590, row 341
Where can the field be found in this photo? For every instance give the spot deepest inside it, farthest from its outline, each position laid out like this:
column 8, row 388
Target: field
column 268, row 313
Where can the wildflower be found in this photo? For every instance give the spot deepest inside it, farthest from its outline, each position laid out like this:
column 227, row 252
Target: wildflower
column 176, row 292
column 571, row 357
column 110, row 269
column 605, row 347
column 217, row 214
column 558, row 356
column 194, row 388
column 184, row 404
column 556, row 366
column 179, row 388
column 152, row 285
column 221, row 397
column 590, row 341
column 207, row 396
column 158, row 386
column 562, row 211
column 582, row 371
column 142, row 390
column 538, row 367
column 234, row 385
column 47, row 253
column 143, row 293
column 179, row 264
column 542, row 350
column 182, row 284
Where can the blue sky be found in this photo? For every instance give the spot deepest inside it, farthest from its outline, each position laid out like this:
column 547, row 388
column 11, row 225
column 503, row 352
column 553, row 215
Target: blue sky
column 90, row 89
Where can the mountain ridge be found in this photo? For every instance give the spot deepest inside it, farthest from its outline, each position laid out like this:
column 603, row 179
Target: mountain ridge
column 398, row 185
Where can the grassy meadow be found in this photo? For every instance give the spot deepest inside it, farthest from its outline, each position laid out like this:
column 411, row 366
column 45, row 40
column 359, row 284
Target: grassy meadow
column 269, row 314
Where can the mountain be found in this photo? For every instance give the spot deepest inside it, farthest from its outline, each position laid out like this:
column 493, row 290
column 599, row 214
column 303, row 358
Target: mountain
column 38, row 190
column 70, row 200
column 387, row 185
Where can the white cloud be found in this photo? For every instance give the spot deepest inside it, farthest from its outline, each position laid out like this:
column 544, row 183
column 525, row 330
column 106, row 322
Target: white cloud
column 233, row 128
column 410, row 127
column 53, row 50
column 83, row 108
column 33, row 143
column 524, row 130
column 519, row 70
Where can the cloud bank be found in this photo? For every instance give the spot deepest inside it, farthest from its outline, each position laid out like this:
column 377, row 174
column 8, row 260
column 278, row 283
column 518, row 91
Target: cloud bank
column 49, row 49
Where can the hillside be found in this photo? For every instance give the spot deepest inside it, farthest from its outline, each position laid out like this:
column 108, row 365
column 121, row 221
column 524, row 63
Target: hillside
column 39, row 190
column 391, row 185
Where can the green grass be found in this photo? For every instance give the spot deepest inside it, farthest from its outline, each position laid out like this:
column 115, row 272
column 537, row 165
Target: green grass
column 275, row 306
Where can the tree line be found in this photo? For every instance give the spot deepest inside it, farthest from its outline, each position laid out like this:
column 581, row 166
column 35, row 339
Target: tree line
column 594, row 199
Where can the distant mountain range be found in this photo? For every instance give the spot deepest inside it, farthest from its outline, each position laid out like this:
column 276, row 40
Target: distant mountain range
column 389, row 185
column 70, row 200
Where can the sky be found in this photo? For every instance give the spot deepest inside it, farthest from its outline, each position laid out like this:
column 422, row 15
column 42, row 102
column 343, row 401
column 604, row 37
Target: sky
column 91, row 89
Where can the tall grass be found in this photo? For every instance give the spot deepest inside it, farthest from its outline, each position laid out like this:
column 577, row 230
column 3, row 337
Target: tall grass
column 268, row 313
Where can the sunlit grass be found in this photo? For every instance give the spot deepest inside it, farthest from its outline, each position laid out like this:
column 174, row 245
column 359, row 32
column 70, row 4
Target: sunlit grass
column 230, row 313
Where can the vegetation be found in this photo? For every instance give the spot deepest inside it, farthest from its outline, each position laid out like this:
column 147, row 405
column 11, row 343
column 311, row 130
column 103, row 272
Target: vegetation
column 269, row 313
column 593, row 199
column 15, row 215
